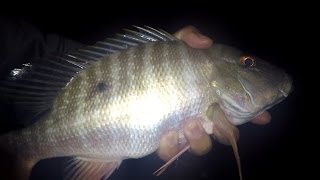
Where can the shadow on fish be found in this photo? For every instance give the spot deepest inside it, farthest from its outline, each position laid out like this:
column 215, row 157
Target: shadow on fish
column 112, row 101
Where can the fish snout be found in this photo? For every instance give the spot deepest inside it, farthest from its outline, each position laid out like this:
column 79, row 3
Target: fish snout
column 286, row 86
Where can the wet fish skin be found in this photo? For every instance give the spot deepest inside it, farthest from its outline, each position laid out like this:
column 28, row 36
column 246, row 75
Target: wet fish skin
column 149, row 89
column 118, row 107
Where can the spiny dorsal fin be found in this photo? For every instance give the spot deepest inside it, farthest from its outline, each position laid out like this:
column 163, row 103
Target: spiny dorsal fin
column 123, row 41
column 34, row 86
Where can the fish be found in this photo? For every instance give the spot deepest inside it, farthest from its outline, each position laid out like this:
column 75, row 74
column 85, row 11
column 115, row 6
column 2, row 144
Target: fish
column 112, row 101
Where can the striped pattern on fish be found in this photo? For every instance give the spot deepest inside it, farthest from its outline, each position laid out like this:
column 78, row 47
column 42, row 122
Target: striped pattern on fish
column 113, row 101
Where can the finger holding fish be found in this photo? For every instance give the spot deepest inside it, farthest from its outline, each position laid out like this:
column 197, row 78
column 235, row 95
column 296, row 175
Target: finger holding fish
column 169, row 145
column 263, row 119
column 194, row 38
column 197, row 137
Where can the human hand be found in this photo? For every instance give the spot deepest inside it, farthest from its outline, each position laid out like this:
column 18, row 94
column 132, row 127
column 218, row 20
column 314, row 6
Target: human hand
column 195, row 134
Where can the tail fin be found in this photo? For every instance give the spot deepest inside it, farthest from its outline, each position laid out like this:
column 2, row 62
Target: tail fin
column 12, row 166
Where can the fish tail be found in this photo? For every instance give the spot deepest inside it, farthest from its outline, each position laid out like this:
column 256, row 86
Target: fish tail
column 13, row 166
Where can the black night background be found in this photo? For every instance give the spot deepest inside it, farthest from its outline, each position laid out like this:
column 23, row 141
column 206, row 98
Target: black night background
column 267, row 152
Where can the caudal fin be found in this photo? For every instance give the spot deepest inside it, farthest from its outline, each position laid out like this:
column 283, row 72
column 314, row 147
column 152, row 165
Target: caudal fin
column 12, row 166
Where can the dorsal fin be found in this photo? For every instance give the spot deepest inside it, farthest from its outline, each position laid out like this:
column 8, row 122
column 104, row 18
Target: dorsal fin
column 123, row 41
column 34, row 86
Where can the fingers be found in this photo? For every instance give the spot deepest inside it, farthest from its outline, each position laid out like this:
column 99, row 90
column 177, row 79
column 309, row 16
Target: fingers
column 194, row 38
column 199, row 141
column 262, row 119
column 169, row 145
column 197, row 137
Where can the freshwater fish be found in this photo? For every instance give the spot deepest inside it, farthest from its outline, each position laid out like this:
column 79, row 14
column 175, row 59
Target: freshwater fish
column 112, row 101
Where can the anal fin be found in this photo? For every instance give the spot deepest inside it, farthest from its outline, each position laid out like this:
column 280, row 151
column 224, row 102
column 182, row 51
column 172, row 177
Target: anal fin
column 93, row 169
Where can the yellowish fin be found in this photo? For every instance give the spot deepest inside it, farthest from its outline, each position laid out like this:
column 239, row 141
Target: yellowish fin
column 84, row 168
column 225, row 132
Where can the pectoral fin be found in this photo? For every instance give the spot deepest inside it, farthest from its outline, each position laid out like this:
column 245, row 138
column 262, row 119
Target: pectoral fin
column 183, row 149
column 224, row 131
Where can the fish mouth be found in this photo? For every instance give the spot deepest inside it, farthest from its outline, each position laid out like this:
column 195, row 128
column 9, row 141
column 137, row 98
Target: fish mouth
column 235, row 113
column 287, row 87
column 238, row 114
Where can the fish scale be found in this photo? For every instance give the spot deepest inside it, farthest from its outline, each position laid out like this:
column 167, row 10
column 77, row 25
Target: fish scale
column 81, row 95
column 117, row 105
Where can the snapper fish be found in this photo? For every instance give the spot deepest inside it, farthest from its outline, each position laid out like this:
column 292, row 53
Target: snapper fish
column 112, row 101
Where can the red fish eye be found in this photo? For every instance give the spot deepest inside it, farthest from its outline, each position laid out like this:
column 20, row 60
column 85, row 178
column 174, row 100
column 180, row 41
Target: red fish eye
column 247, row 61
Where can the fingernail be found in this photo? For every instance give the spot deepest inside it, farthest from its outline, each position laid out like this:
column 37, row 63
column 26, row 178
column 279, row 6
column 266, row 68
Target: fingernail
column 193, row 130
column 200, row 41
column 199, row 35
column 172, row 139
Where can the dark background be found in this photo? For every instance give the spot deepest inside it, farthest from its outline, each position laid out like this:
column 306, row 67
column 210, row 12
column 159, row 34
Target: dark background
column 272, row 151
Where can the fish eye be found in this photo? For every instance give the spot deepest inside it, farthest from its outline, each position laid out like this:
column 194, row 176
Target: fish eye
column 247, row 61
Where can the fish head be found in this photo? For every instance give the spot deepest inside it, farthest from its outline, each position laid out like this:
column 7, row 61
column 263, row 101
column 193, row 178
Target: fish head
column 246, row 85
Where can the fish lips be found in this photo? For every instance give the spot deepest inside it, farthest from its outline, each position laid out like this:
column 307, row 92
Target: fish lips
column 238, row 113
